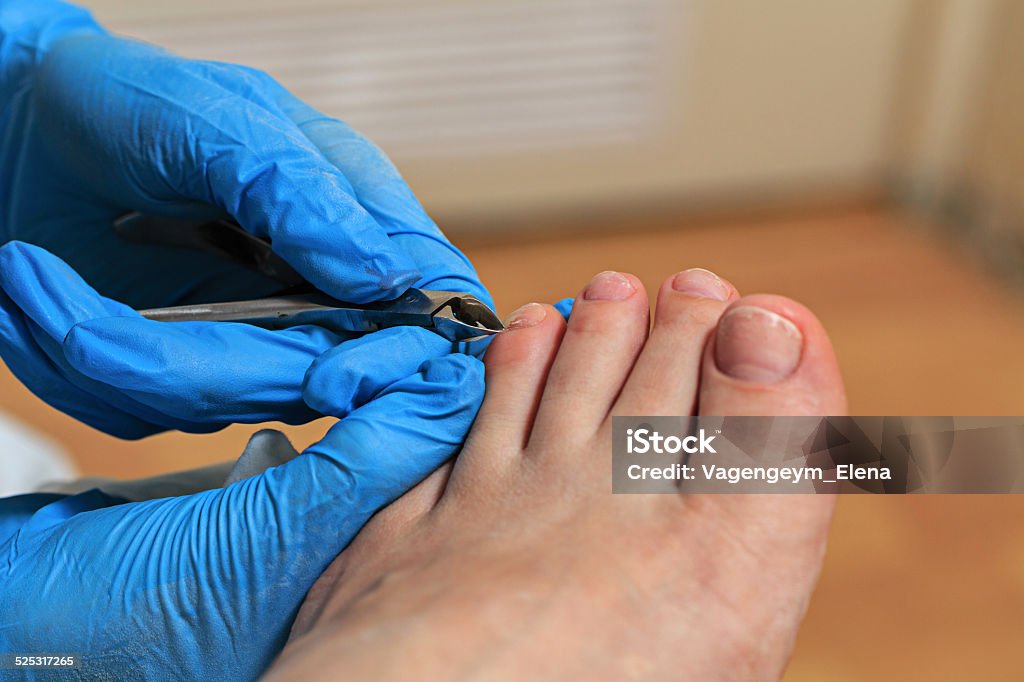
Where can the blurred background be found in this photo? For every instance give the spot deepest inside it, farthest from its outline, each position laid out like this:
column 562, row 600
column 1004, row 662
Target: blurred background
column 865, row 157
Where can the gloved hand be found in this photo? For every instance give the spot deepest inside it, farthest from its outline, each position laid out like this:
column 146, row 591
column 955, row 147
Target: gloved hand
column 93, row 126
column 104, row 364
column 206, row 586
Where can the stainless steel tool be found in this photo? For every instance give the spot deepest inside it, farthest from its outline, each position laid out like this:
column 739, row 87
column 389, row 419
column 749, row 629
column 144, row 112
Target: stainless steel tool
column 454, row 315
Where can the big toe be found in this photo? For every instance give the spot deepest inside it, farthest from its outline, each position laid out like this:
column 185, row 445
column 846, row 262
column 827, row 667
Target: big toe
column 770, row 356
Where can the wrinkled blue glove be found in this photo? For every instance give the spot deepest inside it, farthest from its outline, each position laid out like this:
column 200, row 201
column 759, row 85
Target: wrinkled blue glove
column 104, row 364
column 93, row 126
column 206, row 586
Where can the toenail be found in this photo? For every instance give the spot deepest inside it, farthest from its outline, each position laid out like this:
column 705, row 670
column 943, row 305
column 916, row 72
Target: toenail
column 701, row 283
column 529, row 315
column 757, row 345
column 609, row 286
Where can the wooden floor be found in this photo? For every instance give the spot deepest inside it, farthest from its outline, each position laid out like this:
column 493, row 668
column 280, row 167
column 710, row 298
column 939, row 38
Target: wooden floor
column 913, row 588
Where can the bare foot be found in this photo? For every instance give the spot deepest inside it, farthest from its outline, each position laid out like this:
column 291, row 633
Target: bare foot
column 518, row 562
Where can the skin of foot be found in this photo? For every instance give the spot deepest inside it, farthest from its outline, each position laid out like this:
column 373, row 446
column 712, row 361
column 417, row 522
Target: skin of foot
column 517, row 562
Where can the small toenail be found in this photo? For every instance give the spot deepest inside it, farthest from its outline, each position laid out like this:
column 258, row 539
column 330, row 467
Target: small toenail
column 757, row 345
column 609, row 286
column 701, row 283
column 529, row 315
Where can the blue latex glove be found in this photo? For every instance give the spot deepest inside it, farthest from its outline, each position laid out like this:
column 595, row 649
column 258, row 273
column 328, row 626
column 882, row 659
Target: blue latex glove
column 564, row 307
column 206, row 586
column 104, row 364
column 93, row 126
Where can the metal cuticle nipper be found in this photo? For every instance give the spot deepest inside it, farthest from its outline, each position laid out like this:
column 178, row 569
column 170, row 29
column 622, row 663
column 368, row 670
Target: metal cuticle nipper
column 453, row 315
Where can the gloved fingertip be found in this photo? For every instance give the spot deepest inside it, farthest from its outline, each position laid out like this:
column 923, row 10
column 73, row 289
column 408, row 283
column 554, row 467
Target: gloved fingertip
column 564, row 307
column 15, row 257
column 12, row 249
column 395, row 282
column 19, row 259
column 453, row 371
column 319, row 394
column 49, row 291
column 18, row 249
column 444, row 267
column 92, row 347
column 121, row 353
column 352, row 373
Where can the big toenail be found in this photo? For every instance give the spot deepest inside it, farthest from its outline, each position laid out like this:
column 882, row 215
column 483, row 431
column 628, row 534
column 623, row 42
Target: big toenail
column 757, row 345
column 701, row 283
column 609, row 286
column 529, row 315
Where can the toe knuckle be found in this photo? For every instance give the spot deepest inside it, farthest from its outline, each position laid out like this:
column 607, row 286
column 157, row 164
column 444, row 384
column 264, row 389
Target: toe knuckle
column 589, row 321
column 701, row 314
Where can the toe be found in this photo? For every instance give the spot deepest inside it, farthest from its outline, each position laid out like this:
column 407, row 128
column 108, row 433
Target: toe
column 667, row 373
column 606, row 331
column 770, row 356
column 517, row 364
